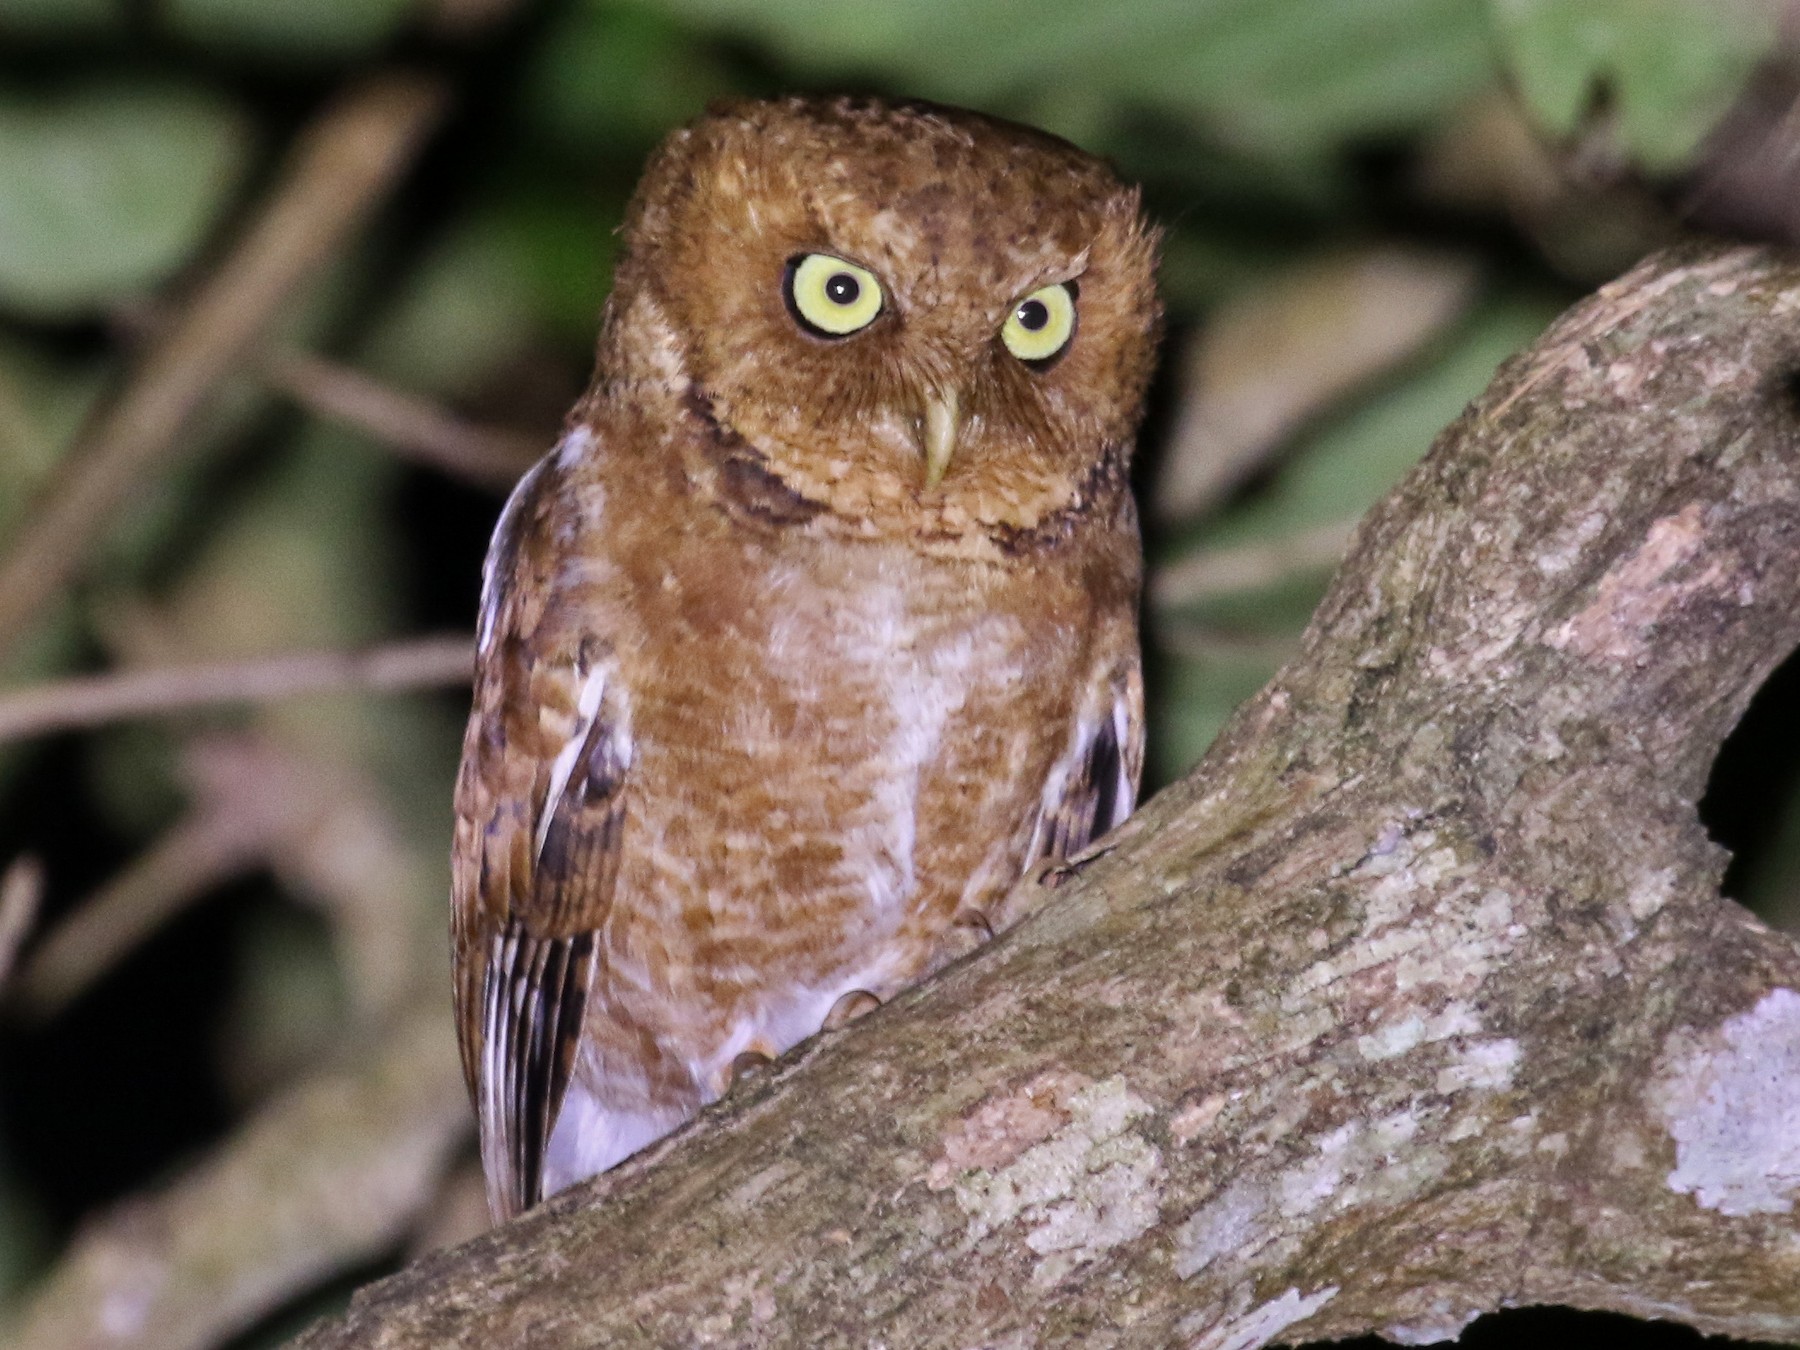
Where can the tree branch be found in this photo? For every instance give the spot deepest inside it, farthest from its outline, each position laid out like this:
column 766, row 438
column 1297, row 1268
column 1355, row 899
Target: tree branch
column 344, row 164
column 413, row 427
column 331, row 1172
column 187, row 862
column 21, row 892
column 91, row 700
column 410, row 425
column 1417, row 998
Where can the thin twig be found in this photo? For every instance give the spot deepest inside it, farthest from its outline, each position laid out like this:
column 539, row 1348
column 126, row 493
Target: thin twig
column 316, row 824
column 21, row 892
column 1232, row 571
column 412, row 426
column 350, row 157
column 91, row 700
column 184, row 864
column 18, row 432
column 327, row 1175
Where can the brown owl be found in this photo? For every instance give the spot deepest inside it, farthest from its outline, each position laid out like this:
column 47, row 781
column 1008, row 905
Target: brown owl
column 816, row 630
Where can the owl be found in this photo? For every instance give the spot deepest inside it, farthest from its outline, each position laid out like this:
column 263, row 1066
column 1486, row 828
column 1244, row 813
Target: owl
column 817, row 629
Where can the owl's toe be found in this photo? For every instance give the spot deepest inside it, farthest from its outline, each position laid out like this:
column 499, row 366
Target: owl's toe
column 857, row 1003
column 968, row 931
column 972, row 926
column 748, row 1065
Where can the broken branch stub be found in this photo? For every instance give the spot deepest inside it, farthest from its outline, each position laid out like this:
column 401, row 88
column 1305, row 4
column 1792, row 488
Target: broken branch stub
column 1416, row 999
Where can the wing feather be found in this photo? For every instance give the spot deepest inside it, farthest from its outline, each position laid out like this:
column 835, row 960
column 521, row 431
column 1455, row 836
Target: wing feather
column 540, row 819
column 535, row 996
column 1093, row 788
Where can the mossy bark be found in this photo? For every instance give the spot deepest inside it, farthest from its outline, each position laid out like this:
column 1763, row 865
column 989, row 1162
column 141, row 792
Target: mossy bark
column 1417, row 998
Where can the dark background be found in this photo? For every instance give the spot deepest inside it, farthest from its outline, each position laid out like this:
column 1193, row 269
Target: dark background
column 1370, row 203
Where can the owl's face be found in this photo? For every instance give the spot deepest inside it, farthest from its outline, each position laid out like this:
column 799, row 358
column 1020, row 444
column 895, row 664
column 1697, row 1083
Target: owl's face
column 921, row 318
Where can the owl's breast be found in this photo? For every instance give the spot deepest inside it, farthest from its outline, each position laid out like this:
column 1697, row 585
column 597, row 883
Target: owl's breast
column 835, row 745
column 832, row 743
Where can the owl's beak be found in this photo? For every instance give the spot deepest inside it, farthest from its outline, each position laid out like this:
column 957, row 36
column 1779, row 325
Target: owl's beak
column 940, row 435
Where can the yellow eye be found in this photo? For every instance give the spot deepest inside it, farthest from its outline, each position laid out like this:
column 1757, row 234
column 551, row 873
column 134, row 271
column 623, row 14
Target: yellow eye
column 1041, row 325
column 829, row 297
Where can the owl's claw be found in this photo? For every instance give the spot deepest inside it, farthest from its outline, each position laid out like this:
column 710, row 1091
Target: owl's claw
column 857, row 1003
column 968, row 931
column 974, row 928
column 977, row 928
column 748, row 1065
column 749, row 1062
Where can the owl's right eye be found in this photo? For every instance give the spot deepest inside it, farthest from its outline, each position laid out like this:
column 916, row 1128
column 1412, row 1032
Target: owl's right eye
column 828, row 297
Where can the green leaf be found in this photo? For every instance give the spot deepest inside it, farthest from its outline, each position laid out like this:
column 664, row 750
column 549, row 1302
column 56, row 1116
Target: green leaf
column 1284, row 78
column 302, row 31
column 1670, row 68
column 1290, row 78
column 1346, row 465
column 106, row 190
column 468, row 304
column 606, row 74
column 58, row 18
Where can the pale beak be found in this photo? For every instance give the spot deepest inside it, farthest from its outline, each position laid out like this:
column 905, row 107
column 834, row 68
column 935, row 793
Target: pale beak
column 940, row 435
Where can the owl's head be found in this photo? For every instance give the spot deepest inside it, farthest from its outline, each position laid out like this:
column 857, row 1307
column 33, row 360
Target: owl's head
column 920, row 318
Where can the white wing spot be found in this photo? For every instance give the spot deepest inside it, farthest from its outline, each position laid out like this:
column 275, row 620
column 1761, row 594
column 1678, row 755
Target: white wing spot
column 573, row 447
column 587, row 707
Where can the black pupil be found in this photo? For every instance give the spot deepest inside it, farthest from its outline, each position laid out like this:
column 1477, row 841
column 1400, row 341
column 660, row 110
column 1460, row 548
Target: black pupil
column 1033, row 315
column 842, row 289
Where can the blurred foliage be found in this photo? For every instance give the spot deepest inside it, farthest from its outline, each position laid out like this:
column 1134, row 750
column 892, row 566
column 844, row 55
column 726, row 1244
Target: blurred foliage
column 1287, row 79
column 59, row 18
column 1670, row 68
column 134, row 138
column 290, row 30
column 604, row 74
column 110, row 187
column 43, row 397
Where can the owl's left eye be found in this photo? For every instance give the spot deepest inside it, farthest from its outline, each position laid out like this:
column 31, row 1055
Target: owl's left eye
column 1041, row 325
column 829, row 297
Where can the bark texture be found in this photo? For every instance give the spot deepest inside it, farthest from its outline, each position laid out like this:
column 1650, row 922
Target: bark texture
column 1418, row 998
